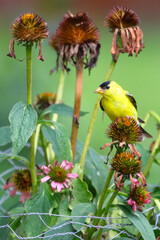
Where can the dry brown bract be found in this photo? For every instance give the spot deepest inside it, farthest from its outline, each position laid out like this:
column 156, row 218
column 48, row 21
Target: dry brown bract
column 75, row 37
column 127, row 36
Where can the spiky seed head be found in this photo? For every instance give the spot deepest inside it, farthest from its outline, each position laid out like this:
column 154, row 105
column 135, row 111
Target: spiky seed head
column 29, row 28
column 22, row 180
column 75, row 37
column 124, row 129
column 126, row 163
column 44, row 100
column 121, row 17
column 140, row 195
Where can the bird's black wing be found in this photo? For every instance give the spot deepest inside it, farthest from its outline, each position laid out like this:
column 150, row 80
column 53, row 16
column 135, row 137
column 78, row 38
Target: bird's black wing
column 101, row 106
column 133, row 101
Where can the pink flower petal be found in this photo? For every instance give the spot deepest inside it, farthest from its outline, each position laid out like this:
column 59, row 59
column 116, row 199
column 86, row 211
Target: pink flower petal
column 54, row 185
column 59, row 187
column 45, row 169
column 70, row 165
column 130, row 201
column 45, row 179
column 134, row 207
column 136, row 182
column 13, row 192
column 72, row 175
column 67, row 180
column 8, row 185
column 66, row 185
column 64, row 163
column 24, row 196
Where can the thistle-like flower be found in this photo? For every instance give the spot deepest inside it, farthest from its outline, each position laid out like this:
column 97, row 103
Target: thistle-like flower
column 75, row 38
column 58, row 175
column 44, row 100
column 127, row 36
column 127, row 165
column 20, row 181
column 27, row 30
column 138, row 197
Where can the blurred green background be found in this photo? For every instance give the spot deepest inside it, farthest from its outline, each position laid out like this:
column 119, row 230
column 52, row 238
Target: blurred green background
column 140, row 76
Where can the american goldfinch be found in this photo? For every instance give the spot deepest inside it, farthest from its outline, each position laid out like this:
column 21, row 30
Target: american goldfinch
column 117, row 102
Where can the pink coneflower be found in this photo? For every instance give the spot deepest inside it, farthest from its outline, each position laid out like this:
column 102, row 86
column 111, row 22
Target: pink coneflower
column 21, row 181
column 59, row 175
column 138, row 197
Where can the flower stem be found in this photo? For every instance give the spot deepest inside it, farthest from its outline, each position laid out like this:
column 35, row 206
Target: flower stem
column 152, row 156
column 101, row 201
column 106, row 212
column 29, row 101
column 77, row 104
column 44, row 148
column 59, row 93
column 92, row 121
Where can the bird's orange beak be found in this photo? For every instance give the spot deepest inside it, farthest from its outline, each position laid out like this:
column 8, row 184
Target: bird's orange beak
column 99, row 90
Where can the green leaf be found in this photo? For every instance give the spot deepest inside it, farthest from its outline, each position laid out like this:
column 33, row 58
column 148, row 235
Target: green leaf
column 144, row 153
column 40, row 203
column 4, row 156
column 82, row 209
column 61, row 109
column 59, row 138
column 63, row 209
column 80, row 193
column 140, row 221
column 95, row 168
column 23, row 120
column 63, row 230
column 4, row 230
column 5, row 135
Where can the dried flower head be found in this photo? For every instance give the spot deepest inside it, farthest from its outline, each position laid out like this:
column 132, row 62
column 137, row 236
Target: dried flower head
column 58, row 175
column 44, row 100
column 27, row 30
column 127, row 36
column 138, row 197
column 21, row 181
column 75, row 37
column 125, row 129
column 127, row 165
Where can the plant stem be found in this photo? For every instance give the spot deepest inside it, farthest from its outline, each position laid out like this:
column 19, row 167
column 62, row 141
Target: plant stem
column 59, row 93
column 77, row 104
column 29, row 73
column 152, row 156
column 101, row 201
column 92, row 121
column 44, row 148
column 106, row 212
column 29, row 101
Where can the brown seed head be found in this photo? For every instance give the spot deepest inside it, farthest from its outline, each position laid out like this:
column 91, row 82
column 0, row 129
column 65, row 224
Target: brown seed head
column 121, row 17
column 124, row 129
column 29, row 28
column 22, row 180
column 44, row 100
column 75, row 37
column 126, row 163
column 140, row 195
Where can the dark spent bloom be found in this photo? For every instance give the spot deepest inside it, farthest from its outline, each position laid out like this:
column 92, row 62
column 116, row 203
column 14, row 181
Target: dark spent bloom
column 20, row 181
column 125, row 129
column 138, row 197
column 127, row 36
column 27, row 29
column 127, row 165
column 59, row 175
column 44, row 100
column 75, row 37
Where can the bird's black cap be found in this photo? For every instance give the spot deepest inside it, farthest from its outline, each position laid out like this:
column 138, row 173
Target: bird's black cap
column 105, row 85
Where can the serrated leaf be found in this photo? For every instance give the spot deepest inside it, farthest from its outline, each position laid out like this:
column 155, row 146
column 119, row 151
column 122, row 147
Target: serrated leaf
column 82, row 209
column 40, row 203
column 5, row 135
column 140, row 221
column 23, row 120
column 61, row 109
column 63, row 230
column 80, row 192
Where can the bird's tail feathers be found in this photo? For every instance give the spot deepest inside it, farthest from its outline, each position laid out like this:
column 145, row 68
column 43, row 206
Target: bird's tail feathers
column 145, row 134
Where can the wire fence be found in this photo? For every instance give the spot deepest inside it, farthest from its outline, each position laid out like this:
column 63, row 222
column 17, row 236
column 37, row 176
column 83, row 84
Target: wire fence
column 57, row 232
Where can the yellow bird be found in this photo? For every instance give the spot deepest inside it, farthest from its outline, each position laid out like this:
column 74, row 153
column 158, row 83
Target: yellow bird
column 117, row 102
